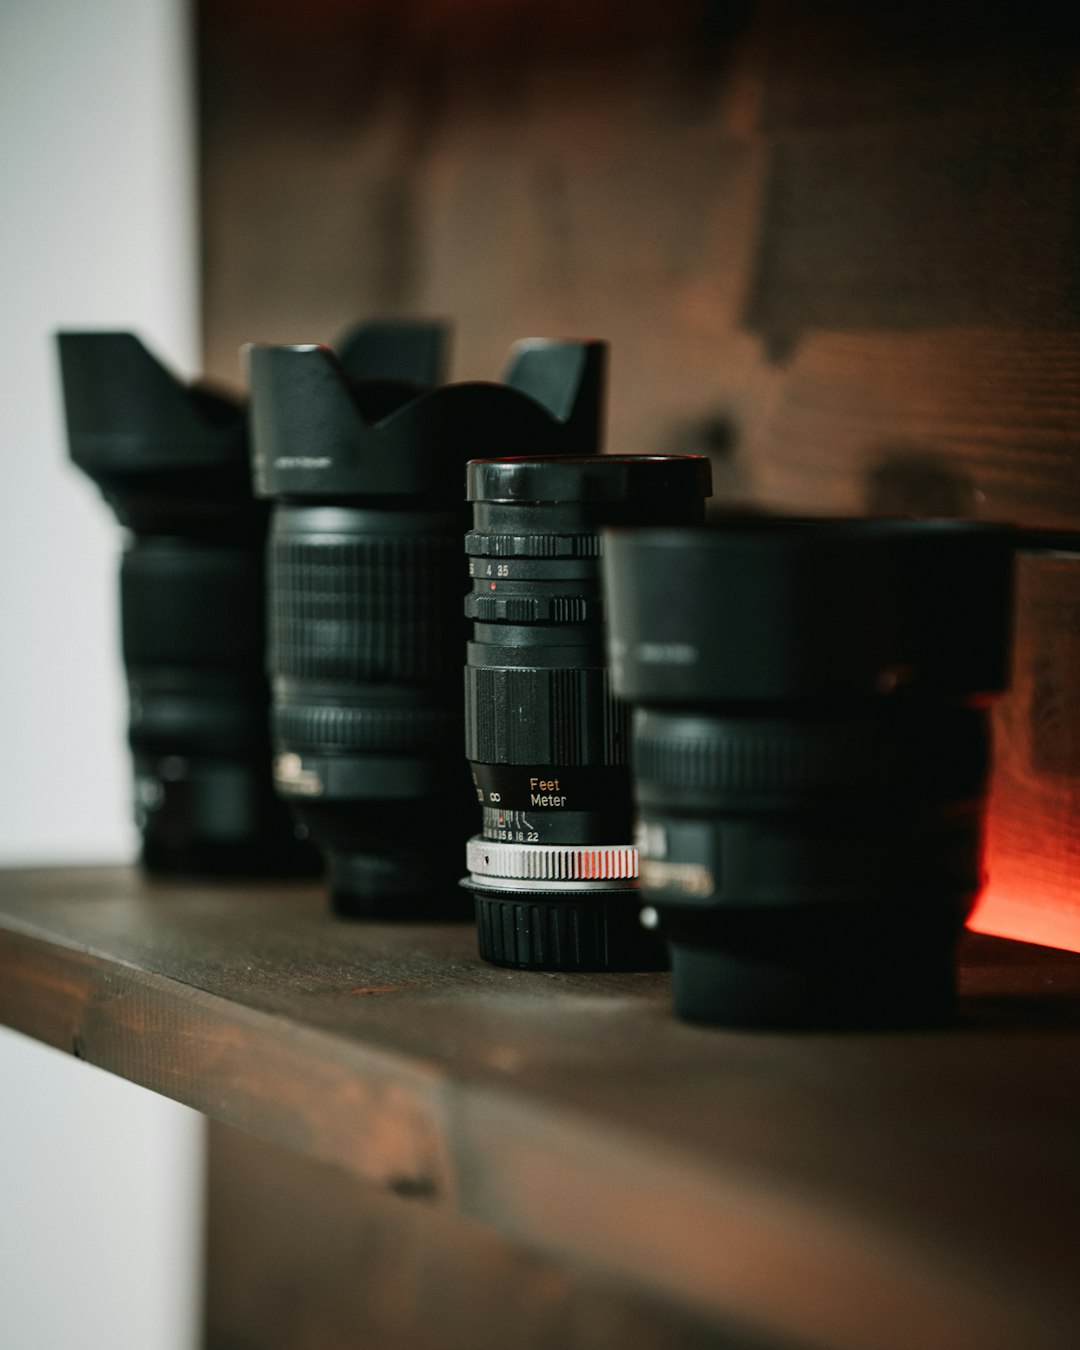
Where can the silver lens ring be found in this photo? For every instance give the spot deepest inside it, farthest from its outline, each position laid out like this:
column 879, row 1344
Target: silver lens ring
column 554, row 867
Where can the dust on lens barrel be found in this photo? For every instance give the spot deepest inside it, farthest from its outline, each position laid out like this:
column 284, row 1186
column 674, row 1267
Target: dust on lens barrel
column 811, row 756
column 554, row 870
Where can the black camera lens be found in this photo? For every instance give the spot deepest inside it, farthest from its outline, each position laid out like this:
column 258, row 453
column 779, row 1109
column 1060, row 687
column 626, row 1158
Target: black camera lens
column 554, row 872
column 366, row 581
column 811, row 750
column 171, row 460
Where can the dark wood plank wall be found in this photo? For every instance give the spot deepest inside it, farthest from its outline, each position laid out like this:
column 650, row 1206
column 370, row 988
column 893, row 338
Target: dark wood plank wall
column 835, row 246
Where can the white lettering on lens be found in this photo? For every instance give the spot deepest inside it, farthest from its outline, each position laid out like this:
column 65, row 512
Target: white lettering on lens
column 302, row 462
column 683, row 878
column 667, row 653
column 291, row 777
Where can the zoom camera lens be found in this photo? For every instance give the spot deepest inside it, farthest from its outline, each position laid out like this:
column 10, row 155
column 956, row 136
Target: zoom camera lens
column 811, row 751
column 366, row 582
column 172, row 462
column 554, row 872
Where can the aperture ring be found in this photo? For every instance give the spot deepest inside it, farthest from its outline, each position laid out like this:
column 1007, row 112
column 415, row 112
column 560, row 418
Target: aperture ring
column 337, row 727
column 552, row 862
column 482, row 545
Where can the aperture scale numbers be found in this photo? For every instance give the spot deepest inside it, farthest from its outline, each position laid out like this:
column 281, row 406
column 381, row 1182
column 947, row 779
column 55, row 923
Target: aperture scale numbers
column 482, row 567
column 511, row 827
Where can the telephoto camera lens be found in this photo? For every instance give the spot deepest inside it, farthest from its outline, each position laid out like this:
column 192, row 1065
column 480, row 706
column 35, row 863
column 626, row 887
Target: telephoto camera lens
column 811, row 753
column 172, row 462
column 366, row 582
column 554, row 870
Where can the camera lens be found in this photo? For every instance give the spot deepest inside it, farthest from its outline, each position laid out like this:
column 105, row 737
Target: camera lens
column 171, row 460
column 366, row 582
column 554, row 872
column 811, row 749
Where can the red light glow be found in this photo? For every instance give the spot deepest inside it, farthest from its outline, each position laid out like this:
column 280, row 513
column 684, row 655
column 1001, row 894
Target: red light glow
column 1046, row 918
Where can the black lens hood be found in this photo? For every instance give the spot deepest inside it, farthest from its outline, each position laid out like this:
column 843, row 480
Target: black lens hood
column 317, row 436
column 137, row 430
column 787, row 610
column 128, row 414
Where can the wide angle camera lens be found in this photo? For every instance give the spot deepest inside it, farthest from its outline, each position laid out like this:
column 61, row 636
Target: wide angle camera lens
column 554, row 871
column 811, row 753
column 172, row 462
column 366, row 582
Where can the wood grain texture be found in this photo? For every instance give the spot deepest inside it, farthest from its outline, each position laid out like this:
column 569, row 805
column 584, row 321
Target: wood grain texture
column 302, row 1256
column 834, row 247
column 851, row 1191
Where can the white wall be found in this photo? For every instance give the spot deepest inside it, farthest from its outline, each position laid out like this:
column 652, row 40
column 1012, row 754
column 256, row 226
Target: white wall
column 99, row 1181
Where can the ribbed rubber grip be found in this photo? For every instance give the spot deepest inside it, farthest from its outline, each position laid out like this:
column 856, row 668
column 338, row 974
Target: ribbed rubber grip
column 755, row 755
column 339, row 727
column 748, row 758
column 572, row 934
column 375, row 607
column 537, row 715
column 479, row 544
column 191, row 605
column 532, row 608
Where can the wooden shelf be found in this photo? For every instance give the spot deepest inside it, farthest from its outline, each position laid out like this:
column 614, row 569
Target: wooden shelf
column 844, row 1190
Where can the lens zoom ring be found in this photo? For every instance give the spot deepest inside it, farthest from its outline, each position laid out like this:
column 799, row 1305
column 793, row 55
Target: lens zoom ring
column 480, row 545
column 789, row 759
column 342, row 728
column 379, row 607
column 534, row 715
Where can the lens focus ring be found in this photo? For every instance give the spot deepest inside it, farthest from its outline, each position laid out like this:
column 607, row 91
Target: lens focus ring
column 943, row 749
column 338, row 727
column 364, row 608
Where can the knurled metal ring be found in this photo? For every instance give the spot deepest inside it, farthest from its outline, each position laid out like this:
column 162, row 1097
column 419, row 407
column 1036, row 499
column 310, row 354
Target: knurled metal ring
column 551, row 866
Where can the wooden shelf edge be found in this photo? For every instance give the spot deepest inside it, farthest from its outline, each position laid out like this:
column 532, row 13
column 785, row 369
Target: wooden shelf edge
column 681, row 1227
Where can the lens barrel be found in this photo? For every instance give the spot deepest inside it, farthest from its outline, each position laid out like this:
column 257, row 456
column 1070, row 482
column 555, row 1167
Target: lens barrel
column 553, row 871
column 366, row 582
column 811, row 753
column 171, row 461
